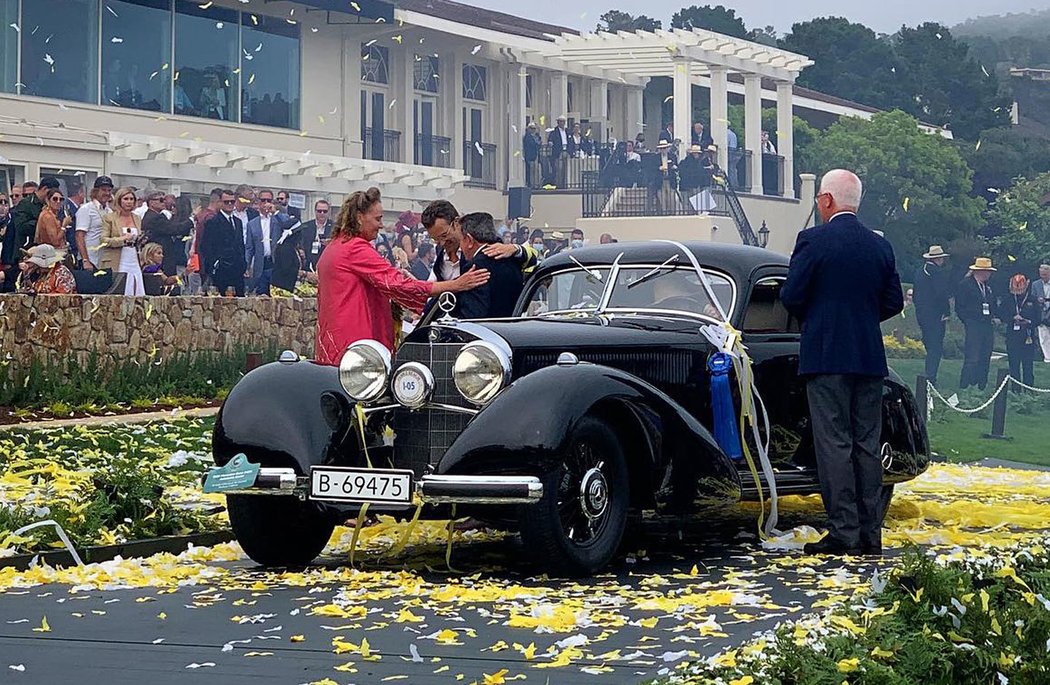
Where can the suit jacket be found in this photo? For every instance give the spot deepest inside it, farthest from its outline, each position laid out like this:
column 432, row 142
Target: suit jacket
column 255, row 252
column 1028, row 307
column 703, row 140
column 113, row 240
column 554, row 139
column 1037, row 292
column 530, row 146
column 931, row 293
column 23, row 221
column 842, row 283
column 221, row 247
column 497, row 297
column 306, row 240
column 167, row 233
column 970, row 301
column 286, row 262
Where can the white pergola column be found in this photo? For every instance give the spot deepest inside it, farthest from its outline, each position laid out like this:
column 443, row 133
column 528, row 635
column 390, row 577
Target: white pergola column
column 720, row 114
column 404, row 75
column 352, row 144
column 786, row 136
column 559, row 97
column 683, row 104
column 516, row 127
column 635, row 123
column 599, row 108
column 753, row 128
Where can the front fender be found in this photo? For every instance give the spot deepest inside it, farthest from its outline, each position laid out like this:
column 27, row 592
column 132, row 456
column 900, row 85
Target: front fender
column 531, row 422
column 289, row 415
column 905, row 444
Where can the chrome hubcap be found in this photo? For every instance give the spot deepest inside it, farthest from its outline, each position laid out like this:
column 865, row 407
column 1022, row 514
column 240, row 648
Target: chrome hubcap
column 594, row 493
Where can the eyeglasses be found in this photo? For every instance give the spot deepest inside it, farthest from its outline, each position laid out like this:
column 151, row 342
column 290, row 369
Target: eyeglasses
column 265, row 199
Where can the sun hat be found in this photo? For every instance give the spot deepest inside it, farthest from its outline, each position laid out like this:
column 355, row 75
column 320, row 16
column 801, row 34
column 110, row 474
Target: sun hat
column 696, row 148
column 43, row 255
column 935, row 252
column 558, row 235
column 1018, row 282
column 982, row 264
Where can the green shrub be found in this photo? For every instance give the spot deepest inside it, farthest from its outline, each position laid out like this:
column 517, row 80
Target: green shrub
column 103, row 382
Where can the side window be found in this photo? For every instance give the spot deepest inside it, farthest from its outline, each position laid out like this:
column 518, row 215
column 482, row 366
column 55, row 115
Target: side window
column 765, row 312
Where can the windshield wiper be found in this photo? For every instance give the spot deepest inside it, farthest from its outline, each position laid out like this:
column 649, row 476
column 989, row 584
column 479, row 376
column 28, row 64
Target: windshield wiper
column 591, row 272
column 673, row 259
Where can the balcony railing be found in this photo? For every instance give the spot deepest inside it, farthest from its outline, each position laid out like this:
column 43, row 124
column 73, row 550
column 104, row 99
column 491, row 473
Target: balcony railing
column 657, row 197
column 433, row 151
column 479, row 163
column 381, row 145
column 772, row 172
column 739, row 170
column 565, row 172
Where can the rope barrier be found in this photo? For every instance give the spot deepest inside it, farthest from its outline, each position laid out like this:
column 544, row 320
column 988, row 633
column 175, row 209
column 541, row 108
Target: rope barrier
column 932, row 392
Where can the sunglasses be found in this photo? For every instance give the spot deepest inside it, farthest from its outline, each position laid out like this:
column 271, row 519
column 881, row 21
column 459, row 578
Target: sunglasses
column 3, row 200
column 229, row 202
column 56, row 199
column 321, row 211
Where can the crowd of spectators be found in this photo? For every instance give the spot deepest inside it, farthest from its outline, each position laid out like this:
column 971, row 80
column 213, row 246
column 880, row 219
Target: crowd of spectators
column 237, row 242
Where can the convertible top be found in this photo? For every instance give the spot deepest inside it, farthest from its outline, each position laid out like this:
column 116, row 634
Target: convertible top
column 738, row 260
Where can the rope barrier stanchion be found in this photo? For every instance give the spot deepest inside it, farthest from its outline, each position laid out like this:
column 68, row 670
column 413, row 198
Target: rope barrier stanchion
column 999, row 410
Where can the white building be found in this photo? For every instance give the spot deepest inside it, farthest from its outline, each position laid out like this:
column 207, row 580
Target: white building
column 424, row 98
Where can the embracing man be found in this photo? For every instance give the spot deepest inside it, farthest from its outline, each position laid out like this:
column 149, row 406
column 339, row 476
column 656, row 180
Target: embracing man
column 842, row 283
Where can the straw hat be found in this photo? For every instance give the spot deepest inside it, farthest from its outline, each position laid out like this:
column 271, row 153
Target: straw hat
column 696, row 148
column 935, row 252
column 43, row 255
column 982, row 264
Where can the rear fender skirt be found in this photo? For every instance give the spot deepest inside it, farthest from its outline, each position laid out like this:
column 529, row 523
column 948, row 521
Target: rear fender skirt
column 288, row 415
column 529, row 424
column 905, row 448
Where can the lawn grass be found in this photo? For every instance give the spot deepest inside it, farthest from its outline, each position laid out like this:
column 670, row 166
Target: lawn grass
column 958, row 437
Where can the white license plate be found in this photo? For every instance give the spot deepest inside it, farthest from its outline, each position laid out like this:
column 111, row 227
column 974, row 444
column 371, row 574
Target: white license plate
column 361, row 485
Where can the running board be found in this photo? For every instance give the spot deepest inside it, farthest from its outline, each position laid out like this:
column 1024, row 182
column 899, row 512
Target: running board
column 796, row 482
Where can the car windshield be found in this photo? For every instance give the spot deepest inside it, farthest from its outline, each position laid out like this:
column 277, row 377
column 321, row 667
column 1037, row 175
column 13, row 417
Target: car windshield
column 657, row 287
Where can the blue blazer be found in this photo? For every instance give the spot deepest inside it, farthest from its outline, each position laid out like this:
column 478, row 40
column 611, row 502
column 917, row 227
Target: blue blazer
column 842, row 283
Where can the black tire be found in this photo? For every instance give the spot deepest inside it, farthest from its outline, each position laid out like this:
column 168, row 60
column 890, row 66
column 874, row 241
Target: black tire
column 278, row 531
column 885, row 499
column 558, row 530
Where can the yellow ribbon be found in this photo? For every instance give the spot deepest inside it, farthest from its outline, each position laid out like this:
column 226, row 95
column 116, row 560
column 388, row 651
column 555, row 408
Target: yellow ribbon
column 448, row 547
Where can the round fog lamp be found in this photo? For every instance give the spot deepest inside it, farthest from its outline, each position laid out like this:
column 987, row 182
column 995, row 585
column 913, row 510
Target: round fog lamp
column 412, row 385
column 481, row 370
column 364, row 369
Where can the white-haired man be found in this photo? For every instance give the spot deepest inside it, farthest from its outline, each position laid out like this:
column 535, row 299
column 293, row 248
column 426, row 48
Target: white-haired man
column 842, row 283
column 1041, row 292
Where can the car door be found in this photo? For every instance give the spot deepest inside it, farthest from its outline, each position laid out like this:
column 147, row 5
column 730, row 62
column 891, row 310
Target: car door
column 772, row 337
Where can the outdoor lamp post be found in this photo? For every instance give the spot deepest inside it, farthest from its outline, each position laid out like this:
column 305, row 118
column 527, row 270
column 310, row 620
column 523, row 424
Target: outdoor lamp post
column 763, row 235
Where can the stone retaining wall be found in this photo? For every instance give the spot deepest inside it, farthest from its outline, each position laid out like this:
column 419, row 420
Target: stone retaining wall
column 60, row 327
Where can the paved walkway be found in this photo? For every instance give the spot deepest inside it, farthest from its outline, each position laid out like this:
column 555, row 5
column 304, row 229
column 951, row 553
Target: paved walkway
column 139, row 417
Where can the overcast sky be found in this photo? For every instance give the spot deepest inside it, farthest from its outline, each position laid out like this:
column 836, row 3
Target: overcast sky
column 884, row 16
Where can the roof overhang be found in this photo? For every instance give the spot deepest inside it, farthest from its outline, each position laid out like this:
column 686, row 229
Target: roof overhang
column 368, row 10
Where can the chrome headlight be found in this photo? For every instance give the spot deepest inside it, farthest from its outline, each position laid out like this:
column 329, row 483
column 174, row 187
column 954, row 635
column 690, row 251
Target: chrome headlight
column 364, row 370
column 413, row 384
column 481, row 370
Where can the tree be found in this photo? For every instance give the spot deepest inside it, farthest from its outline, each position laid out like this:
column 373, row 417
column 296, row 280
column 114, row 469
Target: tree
column 713, row 18
column 765, row 36
column 916, row 184
column 615, row 20
column 1020, row 222
column 1003, row 155
column 943, row 85
column 850, row 61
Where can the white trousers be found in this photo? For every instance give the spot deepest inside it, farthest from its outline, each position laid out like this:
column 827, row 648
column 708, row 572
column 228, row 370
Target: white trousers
column 1044, row 341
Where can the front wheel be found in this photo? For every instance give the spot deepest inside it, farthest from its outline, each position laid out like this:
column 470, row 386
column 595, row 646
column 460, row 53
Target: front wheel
column 577, row 527
column 277, row 530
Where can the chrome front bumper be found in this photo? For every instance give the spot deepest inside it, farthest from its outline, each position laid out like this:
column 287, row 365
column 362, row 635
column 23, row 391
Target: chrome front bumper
column 430, row 489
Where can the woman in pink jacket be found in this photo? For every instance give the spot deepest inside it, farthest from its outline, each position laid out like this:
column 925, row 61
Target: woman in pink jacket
column 355, row 284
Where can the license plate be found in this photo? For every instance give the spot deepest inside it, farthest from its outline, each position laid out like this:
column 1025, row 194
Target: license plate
column 361, row 485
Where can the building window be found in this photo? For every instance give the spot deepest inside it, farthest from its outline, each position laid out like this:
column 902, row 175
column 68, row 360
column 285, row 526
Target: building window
column 528, row 91
column 426, row 73
column 570, row 97
column 475, row 80
column 8, row 47
column 136, row 54
column 60, row 49
column 269, row 71
column 206, row 60
column 375, row 60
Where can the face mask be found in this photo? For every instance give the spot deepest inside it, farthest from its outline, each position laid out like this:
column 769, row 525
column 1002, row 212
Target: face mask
column 577, row 244
column 538, row 246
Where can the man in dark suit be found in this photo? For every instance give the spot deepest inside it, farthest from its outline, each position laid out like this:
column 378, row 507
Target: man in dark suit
column 497, row 297
column 315, row 234
column 158, row 228
column 263, row 233
column 976, row 306
column 530, row 151
column 558, row 144
column 842, row 283
column 222, row 248
column 284, row 208
column 930, row 294
column 700, row 136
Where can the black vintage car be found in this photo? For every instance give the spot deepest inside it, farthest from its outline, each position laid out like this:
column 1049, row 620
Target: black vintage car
column 592, row 403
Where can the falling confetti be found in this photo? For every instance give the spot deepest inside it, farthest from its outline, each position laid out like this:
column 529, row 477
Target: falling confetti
column 115, row 39
column 15, row 27
column 206, row 5
column 978, row 146
column 475, row 50
column 477, row 146
column 906, row 200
